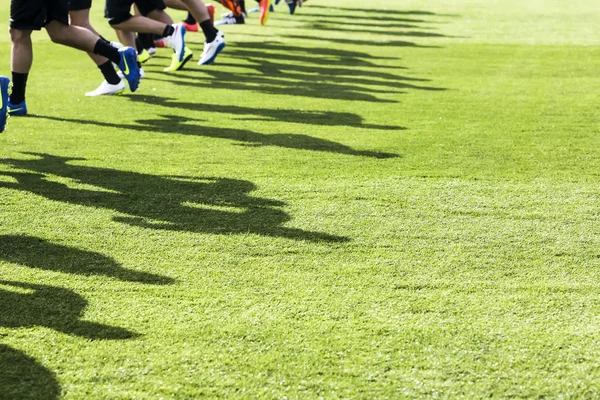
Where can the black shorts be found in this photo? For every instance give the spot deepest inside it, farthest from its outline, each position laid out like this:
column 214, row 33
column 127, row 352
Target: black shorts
column 35, row 14
column 118, row 11
column 78, row 5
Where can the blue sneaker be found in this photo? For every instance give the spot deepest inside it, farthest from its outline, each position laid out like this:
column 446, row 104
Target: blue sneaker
column 128, row 65
column 4, row 92
column 17, row 110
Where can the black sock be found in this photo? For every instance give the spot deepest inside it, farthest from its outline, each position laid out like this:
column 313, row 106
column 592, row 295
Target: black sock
column 242, row 4
column 147, row 40
column 190, row 19
column 139, row 46
column 169, row 30
column 209, row 30
column 18, row 90
column 109, row 73
column 104, row 49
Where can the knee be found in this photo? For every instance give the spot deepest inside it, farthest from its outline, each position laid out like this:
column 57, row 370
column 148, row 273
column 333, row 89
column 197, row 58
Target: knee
column 58, row 35
column 18, row 36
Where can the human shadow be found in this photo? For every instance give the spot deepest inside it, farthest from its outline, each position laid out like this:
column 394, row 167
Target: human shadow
column 192, row 204
column 179, row 125
column 355, row 42
column 26, row 305
column 23, row 377
column 376, row 11
column 322, row 118
column 37, row 253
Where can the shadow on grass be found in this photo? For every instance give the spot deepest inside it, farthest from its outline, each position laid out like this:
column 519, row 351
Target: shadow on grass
column 37, row 253
column 179, row 125
column 25, row 305
column 192, row 204
column 22, row 377
column 322, row 118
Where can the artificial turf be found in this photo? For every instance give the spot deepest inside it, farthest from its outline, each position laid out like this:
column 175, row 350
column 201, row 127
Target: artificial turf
column 392, row 199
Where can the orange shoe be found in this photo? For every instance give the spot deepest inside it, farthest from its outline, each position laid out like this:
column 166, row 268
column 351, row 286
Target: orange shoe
column 232, row 6
column 211, row 11
column 190, row 27
column 265, row 10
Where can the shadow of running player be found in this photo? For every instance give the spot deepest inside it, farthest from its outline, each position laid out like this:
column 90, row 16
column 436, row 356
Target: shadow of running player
column 37, row 253
column 22, row 377
column 25, row 305
column 203, row 205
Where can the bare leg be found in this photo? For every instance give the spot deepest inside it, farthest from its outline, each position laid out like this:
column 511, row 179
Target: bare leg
column 82, row 18
column 21, row 51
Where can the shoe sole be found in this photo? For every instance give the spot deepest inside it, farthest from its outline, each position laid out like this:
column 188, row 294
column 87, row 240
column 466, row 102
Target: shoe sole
column 185, row 60
column 212, row 59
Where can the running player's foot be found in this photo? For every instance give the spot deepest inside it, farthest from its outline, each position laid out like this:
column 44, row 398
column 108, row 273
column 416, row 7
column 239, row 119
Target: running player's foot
column 142, row 74
column 17, row 110
column 161, row 43
column 128, row 65
column 212, row 50
column 231, row 20
column 190, row 27
column 144, row 56
column 177, row 41
column 106, row 89
column 4, row 93
column 292, row 5
column 265, row 10
column 176, row 65
column 233, row 6
column 211, row 11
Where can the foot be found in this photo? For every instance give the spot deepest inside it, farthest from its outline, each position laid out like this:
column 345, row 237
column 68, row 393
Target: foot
column 190, row 27
column 17, row 110
column 265, row 10
column 106, row 89
column 292, row 4
column 176, row 65
column 211, row 12
column 142, row 74
column 128, row 65
column 152, row 51
column 144, row 56
column 212, row 50
column 177, row 41
column 161, row 43
column 233, row 6
column 231, row 20
column 4, row 93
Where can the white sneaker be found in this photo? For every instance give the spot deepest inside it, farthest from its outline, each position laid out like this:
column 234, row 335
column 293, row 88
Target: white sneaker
column 142, row 74
column 177, row 41
column 152, row 51
column 212, row 50
column 106, row 88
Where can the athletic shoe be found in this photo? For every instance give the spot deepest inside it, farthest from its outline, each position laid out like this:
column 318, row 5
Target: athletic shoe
column 144, row 56
column 212, row 50
column 152, row 51
column 17, row 110
column 161, row 43
column 4, row 93
column 128, row 65
column 190, row 27
column 265, row 10
column 253, row 10
column 106, row 89
column 177, row 41
column 231, row 20
column 233, row 6
column 211, row 11
column 292, row 5
column 176, row 65
column 142, row 74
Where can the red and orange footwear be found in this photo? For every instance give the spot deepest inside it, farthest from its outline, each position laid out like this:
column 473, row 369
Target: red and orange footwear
column 265, row 10
column 190, row 27
column 211, row 11
column 232, row 6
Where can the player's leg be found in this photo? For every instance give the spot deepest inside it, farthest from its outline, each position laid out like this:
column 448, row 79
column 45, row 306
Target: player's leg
column 79, row 15
column 25, row 16
column 153, row 20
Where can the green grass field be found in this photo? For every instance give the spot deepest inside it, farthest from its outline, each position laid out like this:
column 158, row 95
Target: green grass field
column 384, row 199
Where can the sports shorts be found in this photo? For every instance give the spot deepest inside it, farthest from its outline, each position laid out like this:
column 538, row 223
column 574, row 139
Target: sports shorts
column 78, row 5
column 35, row 14
column 118, row 11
